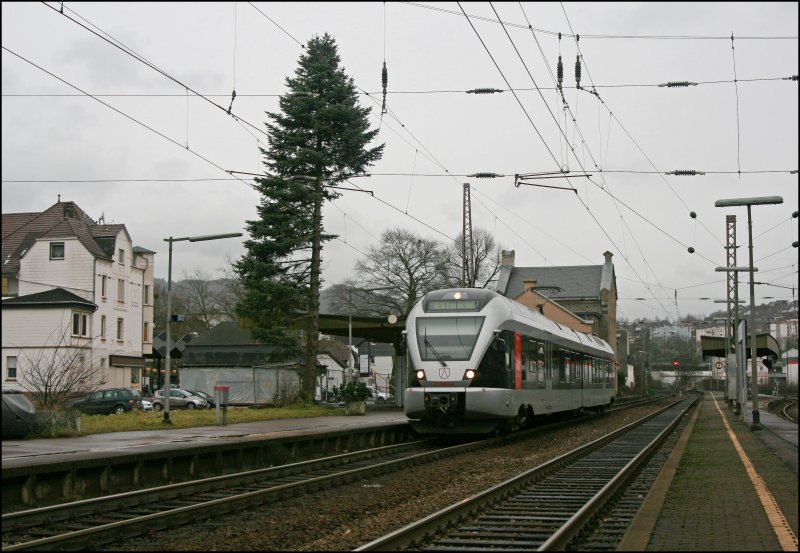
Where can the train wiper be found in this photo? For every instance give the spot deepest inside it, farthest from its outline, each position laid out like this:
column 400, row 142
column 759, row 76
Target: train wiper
column 435, row 353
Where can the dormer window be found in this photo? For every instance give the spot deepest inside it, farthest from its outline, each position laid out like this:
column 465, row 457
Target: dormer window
column 56, row 250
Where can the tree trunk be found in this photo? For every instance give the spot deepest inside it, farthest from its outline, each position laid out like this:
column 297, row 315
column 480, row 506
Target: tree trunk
column 312, row 335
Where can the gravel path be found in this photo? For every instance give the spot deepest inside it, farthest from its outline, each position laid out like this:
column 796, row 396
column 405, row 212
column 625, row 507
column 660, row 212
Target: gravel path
column 346, row 517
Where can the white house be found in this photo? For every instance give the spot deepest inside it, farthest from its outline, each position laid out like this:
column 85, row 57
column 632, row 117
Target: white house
column 65, row 275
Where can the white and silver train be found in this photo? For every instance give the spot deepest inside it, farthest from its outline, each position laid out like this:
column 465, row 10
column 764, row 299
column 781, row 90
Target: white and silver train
column 480, row 362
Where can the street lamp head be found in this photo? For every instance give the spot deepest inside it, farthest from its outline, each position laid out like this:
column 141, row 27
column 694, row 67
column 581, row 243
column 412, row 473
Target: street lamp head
column 762, row 200
column 214, row 236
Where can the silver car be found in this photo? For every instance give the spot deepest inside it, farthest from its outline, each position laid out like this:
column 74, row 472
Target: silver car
column 178, row 399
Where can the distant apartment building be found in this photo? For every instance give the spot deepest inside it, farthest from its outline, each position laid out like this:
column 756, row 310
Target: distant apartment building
column 783, row 330
column 670, row 331
column 73, row 284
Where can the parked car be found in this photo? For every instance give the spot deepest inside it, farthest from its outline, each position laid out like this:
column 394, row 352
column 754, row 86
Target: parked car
column 378, row 397
column 209, row 399
column 18, row 415
column 147, row 405
column 178, row 399
column 111, row 401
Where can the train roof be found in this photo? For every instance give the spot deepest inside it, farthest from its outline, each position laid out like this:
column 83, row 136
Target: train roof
column 526, row 315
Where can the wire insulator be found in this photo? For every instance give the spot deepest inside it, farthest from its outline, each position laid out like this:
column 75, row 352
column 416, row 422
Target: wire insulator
column 484, row 90
column 578, row 71
column 560, row 72
column 233, row 97
column 685, row 172
column 678, row 83
column 385, row 81
column 485, row 175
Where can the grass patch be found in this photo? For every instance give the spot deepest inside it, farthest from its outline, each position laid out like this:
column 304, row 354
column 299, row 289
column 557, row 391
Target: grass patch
column 150, row 420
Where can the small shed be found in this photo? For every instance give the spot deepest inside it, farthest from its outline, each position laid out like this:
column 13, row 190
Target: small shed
column 228, row 355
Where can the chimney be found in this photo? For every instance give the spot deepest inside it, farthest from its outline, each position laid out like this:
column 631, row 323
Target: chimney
column 608, row 255
column 507, row 258
column 528, row 283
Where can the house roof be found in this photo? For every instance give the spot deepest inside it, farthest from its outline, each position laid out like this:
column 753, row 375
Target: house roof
column 61, row 220
column 576, row 282
column 228, row 345
column 57, row 297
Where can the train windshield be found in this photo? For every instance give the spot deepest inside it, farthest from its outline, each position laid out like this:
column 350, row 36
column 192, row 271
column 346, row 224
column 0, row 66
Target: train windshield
column 447, row 338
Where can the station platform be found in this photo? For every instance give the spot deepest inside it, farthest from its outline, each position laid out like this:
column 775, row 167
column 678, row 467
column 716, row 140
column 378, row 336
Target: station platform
column 725, row 487
column 17, row 453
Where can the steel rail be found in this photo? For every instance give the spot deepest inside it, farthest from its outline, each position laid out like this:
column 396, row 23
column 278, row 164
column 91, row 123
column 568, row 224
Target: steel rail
column 423, row 530
column 93, row 522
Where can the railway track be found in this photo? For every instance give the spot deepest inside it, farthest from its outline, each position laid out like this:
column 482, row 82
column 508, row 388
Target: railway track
column 551, row 507
column 90, row 523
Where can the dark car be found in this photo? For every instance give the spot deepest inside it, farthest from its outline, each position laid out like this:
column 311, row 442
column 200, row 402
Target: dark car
column 209, row 398
column 18, row 415
column 112, row 401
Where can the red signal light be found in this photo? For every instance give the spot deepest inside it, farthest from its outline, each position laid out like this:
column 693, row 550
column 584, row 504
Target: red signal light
column 674, row 363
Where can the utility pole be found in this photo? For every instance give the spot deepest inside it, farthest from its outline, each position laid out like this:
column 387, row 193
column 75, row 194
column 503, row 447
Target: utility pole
column 467, row 277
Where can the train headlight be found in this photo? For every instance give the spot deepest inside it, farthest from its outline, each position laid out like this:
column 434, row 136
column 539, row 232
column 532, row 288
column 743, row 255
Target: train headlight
column 420, row 375
column 469, row 374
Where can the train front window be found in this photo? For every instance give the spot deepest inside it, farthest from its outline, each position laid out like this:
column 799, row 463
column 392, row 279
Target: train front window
column 447, row 339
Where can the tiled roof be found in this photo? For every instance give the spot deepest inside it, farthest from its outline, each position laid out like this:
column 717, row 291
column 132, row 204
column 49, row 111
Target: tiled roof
column 61, row 220
column 575, row 281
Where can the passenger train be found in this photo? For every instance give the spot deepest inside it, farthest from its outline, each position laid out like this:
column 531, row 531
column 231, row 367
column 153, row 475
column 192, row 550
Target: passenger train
column 480, row 363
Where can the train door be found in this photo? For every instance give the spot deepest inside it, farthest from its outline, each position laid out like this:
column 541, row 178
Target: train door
column 548, row 377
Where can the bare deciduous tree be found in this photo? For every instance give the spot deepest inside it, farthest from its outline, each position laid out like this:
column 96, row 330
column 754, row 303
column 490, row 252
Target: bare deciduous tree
column 59, row 371
column 407, row 264
column 484, row 263
column 200, row 297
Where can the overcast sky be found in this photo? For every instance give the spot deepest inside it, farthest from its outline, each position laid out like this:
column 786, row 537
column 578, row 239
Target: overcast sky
column 170, row 179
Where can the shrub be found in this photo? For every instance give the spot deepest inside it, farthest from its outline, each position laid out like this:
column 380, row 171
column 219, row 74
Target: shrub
column 352, row 391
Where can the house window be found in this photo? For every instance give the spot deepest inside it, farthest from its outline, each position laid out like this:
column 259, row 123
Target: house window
column 121, row 290
column 146, row 294
column 11, row 364
column 120, row 323
column 121, row 257
column 146, row 332
column 103, row 327
column 56, row 250
column 103, row 285
column 80, row 324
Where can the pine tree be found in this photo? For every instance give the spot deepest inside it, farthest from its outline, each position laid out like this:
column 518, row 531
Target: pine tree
column 317, row 140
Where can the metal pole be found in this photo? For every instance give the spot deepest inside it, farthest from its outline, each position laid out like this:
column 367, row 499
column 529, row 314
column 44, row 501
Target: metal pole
column 349, row 336
column 169, row 345
column 756, row 424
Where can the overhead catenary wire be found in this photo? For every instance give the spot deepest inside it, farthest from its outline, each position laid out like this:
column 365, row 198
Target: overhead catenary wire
column 119, row 45
column 483, row 90
column 122, row 113
column 592, row 215
column 601, row 36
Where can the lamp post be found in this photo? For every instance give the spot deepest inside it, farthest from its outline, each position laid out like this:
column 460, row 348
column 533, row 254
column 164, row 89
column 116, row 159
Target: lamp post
column 749, row 202
column 169, row 307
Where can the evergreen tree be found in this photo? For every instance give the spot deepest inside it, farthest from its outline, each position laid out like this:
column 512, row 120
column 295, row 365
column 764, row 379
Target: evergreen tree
column 316, row 141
